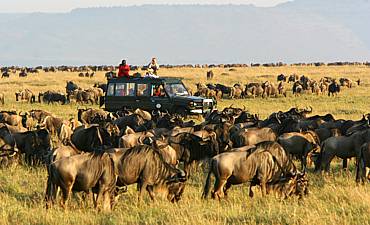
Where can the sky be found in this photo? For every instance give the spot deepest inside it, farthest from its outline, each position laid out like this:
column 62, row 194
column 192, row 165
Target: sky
column 8, row 6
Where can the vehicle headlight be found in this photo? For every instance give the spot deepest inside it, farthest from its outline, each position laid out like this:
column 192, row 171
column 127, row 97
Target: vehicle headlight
column 191, row 104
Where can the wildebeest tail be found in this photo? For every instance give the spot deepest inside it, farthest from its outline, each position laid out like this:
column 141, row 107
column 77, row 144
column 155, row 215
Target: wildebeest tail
column 212, row 166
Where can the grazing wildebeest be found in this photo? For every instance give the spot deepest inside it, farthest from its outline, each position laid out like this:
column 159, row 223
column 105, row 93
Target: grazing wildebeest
column 265, row 163
column 52, row 96
column 146, row 167
column 82, row 172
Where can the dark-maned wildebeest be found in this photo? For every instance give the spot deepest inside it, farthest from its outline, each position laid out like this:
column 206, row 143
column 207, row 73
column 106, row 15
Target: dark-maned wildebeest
column 363, row 163
column 344, row 147
column 265, row 163
column 300, row 144
column 192, row 148
column 281, row 77
column 83, row 172
column 334, row 88
column 5, row 74
column 210, row 75
column 146, row 167
column 34, row 144
column 71, row 87
column 52, row 96
column 91, row 138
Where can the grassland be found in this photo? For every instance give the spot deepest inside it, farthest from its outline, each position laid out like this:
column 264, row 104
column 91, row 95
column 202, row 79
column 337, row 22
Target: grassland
column 333, row 199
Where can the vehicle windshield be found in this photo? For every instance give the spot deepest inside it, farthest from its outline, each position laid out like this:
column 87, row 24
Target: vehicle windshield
column 176, row 90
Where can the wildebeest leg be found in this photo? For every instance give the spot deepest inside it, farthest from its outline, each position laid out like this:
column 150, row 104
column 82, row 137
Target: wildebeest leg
column 219, row 188
column 49, row 193
column 304, row 162
column 251, row 194
column 107, row 204
column 263, row 188
column 226, row 188
column 141, row 188
column 149, row 188
column 345, row 164
column 66, row 191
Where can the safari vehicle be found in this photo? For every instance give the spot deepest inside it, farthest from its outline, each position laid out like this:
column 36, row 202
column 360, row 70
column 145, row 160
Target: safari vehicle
column 165, row 94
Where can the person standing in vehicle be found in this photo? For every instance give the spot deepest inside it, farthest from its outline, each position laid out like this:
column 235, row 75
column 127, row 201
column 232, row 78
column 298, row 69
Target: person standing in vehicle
column 153, row 66
column 123, row 69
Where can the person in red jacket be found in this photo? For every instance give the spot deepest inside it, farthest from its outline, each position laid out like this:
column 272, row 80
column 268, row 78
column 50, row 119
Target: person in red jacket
column 123, row 69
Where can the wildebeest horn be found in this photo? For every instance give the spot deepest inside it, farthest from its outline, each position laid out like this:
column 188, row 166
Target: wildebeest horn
column 277, row 118
column 310, row 109
column 244, row 108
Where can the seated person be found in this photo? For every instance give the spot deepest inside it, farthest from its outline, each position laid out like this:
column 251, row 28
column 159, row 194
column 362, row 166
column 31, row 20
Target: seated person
column 158, row 91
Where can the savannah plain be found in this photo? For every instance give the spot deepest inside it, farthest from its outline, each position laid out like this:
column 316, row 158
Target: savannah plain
column 333, row 198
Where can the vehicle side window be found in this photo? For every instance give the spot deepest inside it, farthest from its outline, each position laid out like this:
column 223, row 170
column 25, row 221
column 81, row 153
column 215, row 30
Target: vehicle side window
column 110, row 91
column 131, row 89
column 158, row 91
column 121, row 90
column 142, row 90
column 125, row 89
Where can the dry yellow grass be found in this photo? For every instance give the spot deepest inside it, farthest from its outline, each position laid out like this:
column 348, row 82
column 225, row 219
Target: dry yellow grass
column 333, row 200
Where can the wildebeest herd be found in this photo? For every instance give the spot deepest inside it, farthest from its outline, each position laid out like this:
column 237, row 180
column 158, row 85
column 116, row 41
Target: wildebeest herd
column 300, row 85
column 73, row 94
column 101, row 153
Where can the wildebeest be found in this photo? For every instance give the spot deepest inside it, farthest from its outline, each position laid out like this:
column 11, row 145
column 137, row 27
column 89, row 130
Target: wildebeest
column 34, row 144
column 52, row 96
column 265, row 163
column 91, row 138
column 146, row 167
column 210, row 75
column 363, row 163
column 83, row 172
column 25, row 95
column 23, row 73
column 192, row 148
column 300, row 144
column 252, row 136
column 70, row 87
column 5, row 74
column 344, row 147
column 334, row 88
column 281, row 77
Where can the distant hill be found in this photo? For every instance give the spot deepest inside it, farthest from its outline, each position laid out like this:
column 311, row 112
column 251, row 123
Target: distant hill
column 299, row 31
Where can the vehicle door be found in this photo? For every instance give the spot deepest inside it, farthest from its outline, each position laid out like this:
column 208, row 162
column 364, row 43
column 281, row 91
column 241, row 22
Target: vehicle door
column 143, row 96
column 159, row 98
